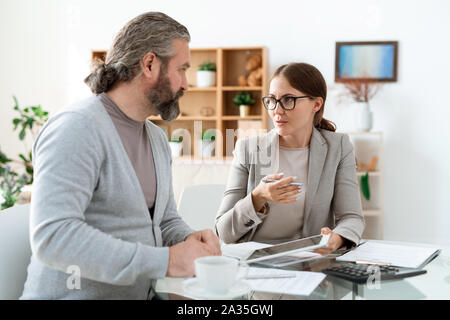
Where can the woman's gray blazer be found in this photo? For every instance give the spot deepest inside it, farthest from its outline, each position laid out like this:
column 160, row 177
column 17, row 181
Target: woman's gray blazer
column 332, row 193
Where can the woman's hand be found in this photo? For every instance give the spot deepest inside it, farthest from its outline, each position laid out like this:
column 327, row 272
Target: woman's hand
column 334, row 243
column 279, row 191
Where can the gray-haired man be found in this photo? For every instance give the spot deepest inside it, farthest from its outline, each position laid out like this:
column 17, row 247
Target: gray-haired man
column 104, row 223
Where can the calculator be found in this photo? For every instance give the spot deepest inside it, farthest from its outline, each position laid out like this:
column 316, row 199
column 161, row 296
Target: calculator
column 360, row 273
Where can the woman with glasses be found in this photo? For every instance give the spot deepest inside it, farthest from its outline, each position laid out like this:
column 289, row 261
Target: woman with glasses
column 297, row 180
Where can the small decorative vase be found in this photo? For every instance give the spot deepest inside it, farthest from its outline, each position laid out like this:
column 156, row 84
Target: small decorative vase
column 206, row 78
column 208, row 148
column 25, row 195
column 365, row 117
column 244, row 110
column 176, row 148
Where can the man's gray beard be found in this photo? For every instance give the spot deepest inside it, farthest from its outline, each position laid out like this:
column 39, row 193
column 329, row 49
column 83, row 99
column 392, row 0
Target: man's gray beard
column 164, row 100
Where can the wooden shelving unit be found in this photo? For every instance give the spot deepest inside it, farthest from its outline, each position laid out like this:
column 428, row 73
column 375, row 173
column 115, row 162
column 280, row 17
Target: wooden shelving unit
column 366, row 146
column 230, row 64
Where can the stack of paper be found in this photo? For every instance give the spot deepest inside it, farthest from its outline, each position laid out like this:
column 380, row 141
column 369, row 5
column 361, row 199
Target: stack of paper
column 394, row 254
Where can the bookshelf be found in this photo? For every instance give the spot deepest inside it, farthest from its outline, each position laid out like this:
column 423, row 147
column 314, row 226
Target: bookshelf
column 368, row 145
column 212, row 108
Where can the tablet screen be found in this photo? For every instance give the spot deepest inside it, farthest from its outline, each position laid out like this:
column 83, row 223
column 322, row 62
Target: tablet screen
column 286, row 247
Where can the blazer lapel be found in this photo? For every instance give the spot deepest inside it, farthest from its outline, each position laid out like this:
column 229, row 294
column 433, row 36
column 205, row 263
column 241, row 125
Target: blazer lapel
column 266, row 157
column 317, row 155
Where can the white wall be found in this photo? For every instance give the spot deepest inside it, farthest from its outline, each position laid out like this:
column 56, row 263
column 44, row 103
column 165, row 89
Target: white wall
column 46, row 51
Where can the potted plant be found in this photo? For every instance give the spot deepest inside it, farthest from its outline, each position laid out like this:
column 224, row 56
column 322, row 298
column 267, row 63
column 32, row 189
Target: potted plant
column 244, row 100
column 15, row 188
column 206, row 75
column 208, row 143
column 362, row 91
column 176, row 145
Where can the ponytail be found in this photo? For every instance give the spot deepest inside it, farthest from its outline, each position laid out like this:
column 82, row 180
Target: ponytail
column 321, row 123
column 102, row 78
column 326, row 124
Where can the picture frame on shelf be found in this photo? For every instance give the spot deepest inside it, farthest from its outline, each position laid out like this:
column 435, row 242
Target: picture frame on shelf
column 366, row 60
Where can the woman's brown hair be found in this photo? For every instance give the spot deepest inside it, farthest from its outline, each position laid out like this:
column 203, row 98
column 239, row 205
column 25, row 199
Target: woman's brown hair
column 308, row 79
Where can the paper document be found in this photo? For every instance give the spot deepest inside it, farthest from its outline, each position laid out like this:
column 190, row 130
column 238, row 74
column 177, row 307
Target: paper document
column 302, row 284
column 397, row 255
column 242, row 250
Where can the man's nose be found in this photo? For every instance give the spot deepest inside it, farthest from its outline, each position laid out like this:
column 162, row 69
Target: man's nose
column 184, row 83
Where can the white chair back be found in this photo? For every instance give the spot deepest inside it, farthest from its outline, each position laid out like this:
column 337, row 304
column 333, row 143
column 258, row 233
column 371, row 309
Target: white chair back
column 15, row 251
column 199, row 204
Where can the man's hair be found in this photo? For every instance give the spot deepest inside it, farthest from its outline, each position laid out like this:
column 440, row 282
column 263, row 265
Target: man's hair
column 149, row 32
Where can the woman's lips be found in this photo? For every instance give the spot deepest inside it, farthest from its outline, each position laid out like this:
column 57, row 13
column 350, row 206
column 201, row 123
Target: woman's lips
column 280, row 123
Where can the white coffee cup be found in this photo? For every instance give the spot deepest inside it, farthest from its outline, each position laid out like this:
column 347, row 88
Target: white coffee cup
column 216, row 274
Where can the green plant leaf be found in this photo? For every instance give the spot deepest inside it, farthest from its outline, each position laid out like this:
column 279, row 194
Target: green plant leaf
column 30, row 121
column 243, row 98
column 22, row 134
column 16, row 106
column 176, row 139
column 21, row 156
column 207, row 66
column 365, row 189
column 4, row 158
column 16, row 122
column 30, row 171
column 209, row 135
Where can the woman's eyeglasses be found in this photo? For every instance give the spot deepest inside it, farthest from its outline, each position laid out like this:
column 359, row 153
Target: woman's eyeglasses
column 287, row 103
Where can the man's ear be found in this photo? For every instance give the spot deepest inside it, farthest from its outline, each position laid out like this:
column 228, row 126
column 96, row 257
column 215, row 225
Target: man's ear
column 150, row 66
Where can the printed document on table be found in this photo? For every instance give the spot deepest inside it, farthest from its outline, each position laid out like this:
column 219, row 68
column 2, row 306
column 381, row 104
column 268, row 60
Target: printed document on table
column 303, row 283
column 395, row 254
column 242, row 250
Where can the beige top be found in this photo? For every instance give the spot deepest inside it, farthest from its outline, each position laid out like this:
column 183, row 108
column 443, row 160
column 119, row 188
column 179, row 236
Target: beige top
column 285, row 221
column 136, row 142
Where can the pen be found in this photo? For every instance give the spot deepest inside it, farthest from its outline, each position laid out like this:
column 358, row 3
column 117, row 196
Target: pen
column 376, row 263
column 266, row 180
column 270, row 276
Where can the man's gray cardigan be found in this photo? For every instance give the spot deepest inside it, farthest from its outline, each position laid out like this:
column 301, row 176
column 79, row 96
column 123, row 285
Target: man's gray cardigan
column 88, row 212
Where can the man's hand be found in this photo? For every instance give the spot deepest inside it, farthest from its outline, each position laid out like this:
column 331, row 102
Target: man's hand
column 209, row 238
column 182, row 255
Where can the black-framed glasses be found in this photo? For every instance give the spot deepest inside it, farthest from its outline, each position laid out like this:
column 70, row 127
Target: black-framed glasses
column 287, row 103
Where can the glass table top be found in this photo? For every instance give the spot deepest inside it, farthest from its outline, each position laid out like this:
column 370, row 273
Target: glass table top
column 435, row 284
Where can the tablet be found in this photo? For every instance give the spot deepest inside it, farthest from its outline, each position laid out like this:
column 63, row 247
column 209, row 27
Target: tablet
column 282, row 249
